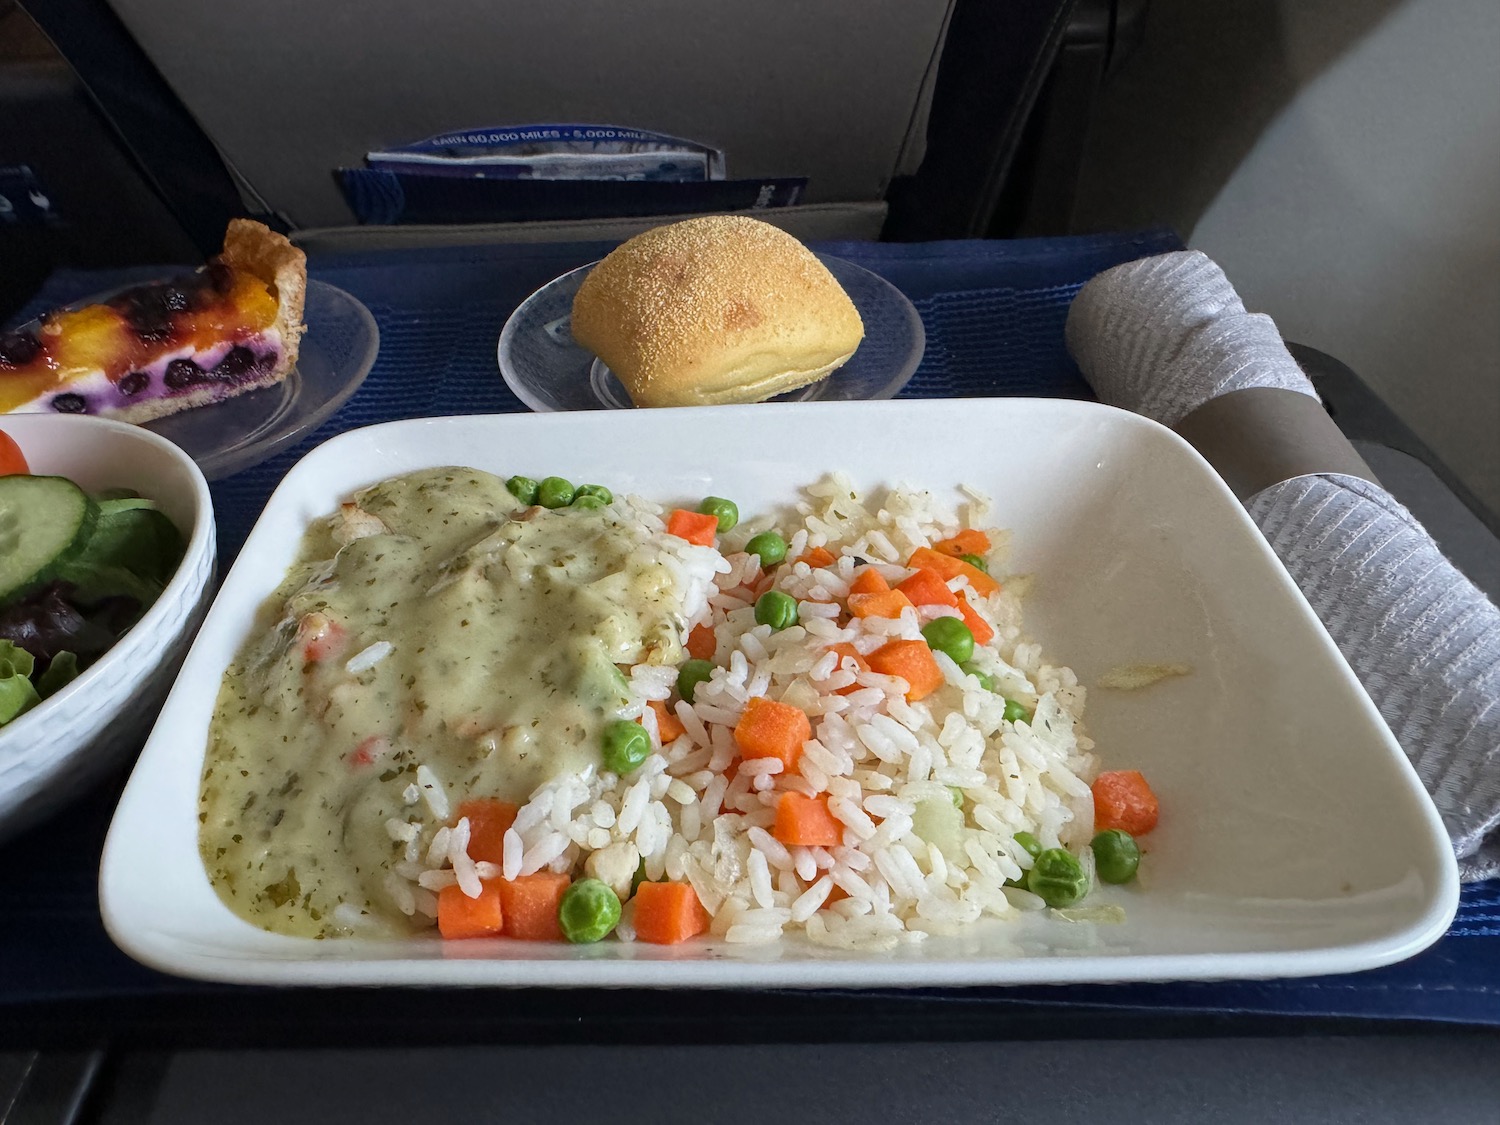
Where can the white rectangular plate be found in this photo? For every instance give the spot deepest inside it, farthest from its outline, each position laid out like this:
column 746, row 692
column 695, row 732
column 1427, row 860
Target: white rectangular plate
column 1295, row 838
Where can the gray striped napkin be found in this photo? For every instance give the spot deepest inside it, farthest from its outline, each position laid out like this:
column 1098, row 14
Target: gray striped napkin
column 1162, row 336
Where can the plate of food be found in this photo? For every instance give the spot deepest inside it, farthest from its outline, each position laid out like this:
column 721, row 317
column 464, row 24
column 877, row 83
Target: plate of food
column 232, row 363
column 486, row 700
column 710, row 311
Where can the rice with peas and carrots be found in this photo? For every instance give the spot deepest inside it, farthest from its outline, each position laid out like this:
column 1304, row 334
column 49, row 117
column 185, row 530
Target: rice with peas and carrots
column 827, row 779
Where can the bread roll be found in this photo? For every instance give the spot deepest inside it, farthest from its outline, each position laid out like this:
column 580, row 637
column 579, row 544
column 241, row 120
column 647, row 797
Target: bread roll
column 715, row 310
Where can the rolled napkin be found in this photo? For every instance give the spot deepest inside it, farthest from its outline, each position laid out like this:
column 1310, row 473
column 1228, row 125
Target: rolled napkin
column 1421, row 638
column 1169, row 338
column 1163, row 335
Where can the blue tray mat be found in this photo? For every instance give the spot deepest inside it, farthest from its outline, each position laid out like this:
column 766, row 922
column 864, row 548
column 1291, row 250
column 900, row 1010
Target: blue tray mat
column 994, row 315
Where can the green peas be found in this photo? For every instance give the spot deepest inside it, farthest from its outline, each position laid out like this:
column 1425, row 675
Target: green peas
column 1014, row 712
column 1116, row 856
column 986, row 680
column 626, row 746
column 555, row 492
column 976, row 562
column 690, row 675
column 1033, row 848
column 523, row 489
column 957, row 795
column 727, row 511
column 1057, row 878
column 589, row 911
column 776, row 609
column 590, row 497
column 769, row 546
column 949, row 635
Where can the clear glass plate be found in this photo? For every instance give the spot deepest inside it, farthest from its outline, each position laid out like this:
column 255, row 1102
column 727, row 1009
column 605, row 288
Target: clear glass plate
column 548, row 370
column 336, row 354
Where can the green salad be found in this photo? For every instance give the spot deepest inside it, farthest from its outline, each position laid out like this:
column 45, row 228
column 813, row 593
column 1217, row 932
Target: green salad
column 76, row 571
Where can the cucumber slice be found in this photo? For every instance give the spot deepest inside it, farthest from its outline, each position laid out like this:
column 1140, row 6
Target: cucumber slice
column 109, row 506
column 44, row 521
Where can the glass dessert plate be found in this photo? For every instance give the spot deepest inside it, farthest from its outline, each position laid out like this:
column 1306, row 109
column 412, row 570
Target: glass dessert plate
column 548, row 370
column 335, row 355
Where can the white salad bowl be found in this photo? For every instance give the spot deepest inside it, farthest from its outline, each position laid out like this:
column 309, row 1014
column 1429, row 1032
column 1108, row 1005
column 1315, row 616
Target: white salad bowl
column 61, row 747
column 1295, row 838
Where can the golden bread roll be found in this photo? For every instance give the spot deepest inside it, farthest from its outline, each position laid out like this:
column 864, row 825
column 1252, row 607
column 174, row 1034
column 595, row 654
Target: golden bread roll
column 714, row 310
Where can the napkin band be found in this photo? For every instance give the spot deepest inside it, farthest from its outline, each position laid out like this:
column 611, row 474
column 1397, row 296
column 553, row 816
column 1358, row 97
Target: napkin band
column 1260, row 436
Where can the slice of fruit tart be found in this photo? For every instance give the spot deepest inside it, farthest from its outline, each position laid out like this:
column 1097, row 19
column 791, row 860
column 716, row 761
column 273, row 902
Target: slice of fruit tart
column 152, row 350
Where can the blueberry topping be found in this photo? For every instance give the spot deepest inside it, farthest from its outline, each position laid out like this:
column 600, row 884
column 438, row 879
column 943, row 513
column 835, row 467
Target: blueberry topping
column 17, row 348
column 148, row 312
column 152, row 330
column 134, row 383
column 238, row 363
column 182, row 373
column 69, row 404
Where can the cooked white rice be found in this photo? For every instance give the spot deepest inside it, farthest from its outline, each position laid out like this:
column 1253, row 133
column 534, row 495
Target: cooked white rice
column 911, row 863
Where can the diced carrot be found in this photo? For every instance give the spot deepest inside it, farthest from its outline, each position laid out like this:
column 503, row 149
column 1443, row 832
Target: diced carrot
column 701, row 643
column 460, row 916
column 950, row 567
column 926, row 587
column 969, row 541
column 817, row 556
column 913, row 662
column 668, row 727
column 695, row 527
column 770, row 729
column 983, row 634
column 979, row 580
column 806, row 821
column 531, row 902
column 1122, row 799
column 369, row 751
column 946, row 565
column 882, row 603
column 847, row 651
column 320, row 636
column 868, row 581
column 489, row 820
column 666, row 913
column 12, row 460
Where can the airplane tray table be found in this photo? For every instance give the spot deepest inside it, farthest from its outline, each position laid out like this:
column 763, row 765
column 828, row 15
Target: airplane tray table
column 994, row 314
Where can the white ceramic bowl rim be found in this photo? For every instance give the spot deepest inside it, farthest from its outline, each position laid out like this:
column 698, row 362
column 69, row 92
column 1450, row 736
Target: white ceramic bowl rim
column 196, row 541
